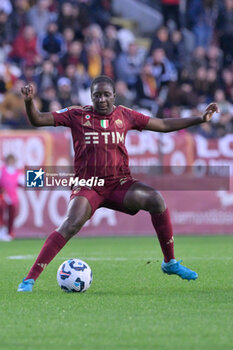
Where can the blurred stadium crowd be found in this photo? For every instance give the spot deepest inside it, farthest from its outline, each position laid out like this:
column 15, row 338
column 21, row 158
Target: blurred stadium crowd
column 60, row 46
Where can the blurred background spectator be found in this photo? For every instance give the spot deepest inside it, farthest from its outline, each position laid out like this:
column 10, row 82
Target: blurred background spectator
column 147, row 89
column 39, row 16
column 52, row 42
column 224, row 28
column 128, row 64
column 124, row 96
column 24, row 47
column 203, row 15
column 182, row 64
column 170, row 10
column 10, row 179
column 12, row 108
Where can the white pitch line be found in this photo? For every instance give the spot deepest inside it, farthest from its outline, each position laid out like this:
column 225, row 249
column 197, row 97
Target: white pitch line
column 32, row 257
column 21, row 257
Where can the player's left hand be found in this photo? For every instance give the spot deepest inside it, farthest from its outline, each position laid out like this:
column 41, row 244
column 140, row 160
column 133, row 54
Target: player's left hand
column 209, row 111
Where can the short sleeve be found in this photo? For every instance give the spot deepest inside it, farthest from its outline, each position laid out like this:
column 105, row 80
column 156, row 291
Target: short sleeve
column 62, row 117
column 138, row 120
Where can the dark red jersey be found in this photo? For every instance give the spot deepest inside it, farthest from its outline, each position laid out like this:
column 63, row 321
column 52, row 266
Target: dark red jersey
column 99, row 140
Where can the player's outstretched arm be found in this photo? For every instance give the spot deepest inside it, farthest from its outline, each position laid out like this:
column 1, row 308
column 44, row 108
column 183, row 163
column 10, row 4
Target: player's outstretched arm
column 35, row 116
column 170, row 124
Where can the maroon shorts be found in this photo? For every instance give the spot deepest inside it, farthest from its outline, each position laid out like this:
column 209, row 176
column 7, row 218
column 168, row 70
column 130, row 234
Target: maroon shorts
column 111, row 195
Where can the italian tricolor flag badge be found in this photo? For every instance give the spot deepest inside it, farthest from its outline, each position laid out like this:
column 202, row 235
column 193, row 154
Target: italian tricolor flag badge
column 104, row 123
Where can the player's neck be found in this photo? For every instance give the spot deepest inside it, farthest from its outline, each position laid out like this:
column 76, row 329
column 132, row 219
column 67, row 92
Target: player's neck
column 104, row 115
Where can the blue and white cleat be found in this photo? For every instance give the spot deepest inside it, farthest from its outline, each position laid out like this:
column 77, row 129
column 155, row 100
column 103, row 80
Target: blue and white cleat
column 26, row 286
column 174, row 267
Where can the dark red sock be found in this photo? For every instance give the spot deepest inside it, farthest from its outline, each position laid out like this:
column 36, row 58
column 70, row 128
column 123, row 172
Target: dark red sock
column 2, row 207
column 53, row 244
column 163, row 227
column 11, row 217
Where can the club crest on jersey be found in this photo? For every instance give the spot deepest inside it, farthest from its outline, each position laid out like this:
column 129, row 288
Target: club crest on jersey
column 119, row 123
column 104, row 123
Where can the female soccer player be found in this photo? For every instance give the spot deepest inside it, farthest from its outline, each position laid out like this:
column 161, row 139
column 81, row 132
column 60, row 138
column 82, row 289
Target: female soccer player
column 98, row 133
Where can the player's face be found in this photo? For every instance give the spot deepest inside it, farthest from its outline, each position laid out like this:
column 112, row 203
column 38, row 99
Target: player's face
column 103, row 98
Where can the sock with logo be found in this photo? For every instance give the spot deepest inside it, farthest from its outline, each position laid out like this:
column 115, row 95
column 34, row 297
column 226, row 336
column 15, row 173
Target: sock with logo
column 52, row 246
column 163, row 227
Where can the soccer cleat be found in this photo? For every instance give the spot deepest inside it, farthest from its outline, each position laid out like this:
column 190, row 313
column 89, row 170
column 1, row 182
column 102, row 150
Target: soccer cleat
column 26, row 286
column 174, row 267
column 4, row 236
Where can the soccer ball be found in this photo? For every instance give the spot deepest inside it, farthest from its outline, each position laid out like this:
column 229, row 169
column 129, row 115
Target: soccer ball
column 74, row 275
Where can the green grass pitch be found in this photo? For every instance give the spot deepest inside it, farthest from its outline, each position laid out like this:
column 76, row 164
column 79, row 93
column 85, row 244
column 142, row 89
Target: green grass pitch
column 131, row 304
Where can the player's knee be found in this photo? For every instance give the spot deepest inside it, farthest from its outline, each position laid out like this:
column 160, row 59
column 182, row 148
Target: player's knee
column 71, row 226
column 155, row 202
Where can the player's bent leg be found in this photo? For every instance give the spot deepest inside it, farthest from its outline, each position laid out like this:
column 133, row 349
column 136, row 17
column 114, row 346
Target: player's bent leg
column 144, row 197
column 79, row 211
column 141, row 196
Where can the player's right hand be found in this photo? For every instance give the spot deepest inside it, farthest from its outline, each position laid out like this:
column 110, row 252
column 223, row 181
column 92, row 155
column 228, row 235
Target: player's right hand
column 209, row 111
column 27, row 92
